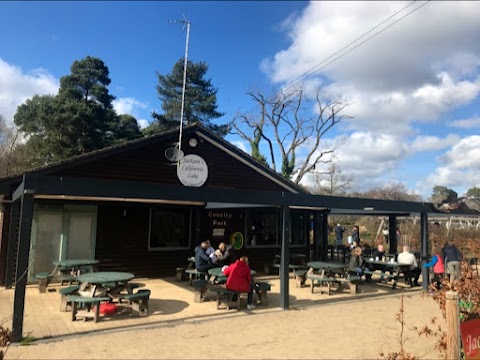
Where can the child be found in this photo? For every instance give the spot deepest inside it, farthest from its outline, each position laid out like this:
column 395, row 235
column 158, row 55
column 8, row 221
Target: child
column 438, row 268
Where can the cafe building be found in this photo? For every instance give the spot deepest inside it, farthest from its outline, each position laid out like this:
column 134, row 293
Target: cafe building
column 143, row 206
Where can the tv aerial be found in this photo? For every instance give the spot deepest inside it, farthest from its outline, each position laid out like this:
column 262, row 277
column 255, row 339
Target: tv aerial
column 175, row 154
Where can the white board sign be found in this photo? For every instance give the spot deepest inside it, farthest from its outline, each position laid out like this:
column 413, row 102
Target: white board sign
column 192, row 171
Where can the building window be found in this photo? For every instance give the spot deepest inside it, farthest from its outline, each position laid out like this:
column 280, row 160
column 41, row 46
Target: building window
column 262, row 228
column 169, row 228
column 299, row 224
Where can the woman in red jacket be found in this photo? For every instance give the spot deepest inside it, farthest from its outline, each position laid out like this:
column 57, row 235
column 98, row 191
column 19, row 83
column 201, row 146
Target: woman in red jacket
column 240, row 279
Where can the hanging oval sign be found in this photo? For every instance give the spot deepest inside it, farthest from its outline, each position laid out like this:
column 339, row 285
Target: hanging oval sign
column 192, row 170
column 236, row 240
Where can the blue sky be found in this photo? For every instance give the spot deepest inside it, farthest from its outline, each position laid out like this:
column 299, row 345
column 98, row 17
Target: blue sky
column 414, row 89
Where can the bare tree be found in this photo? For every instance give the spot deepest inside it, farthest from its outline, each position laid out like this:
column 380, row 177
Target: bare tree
column 287, row 123
column 331, row 182
column 392, row 191
column 14, row 156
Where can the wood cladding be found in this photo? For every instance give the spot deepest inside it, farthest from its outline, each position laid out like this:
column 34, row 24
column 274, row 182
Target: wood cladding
column 148, row 163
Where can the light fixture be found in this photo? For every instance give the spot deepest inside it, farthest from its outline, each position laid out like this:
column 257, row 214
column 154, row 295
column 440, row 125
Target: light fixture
column 368, row 208
column 193, row 142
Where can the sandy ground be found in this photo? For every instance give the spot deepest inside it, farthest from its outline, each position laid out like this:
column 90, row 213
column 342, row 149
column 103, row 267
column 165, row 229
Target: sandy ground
column 327, row 327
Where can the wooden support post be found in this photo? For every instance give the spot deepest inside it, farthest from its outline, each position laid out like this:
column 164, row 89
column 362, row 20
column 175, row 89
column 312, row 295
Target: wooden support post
column 392, row 234
column 12, row 236
column 24, row 237
column 453, row 325
column 284, row 261
column 425, row 250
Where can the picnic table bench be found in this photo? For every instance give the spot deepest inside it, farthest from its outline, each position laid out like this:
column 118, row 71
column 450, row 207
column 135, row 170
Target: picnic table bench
column 324, row 282
column 83, row 302
column 194, row 273
column 138, row 301
column 64, row 293
column 224, row 296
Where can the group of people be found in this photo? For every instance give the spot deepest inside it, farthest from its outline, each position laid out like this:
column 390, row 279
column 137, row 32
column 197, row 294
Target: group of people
column 448, row 258
column 354, row 239
column 238, row 272
column 206, row 257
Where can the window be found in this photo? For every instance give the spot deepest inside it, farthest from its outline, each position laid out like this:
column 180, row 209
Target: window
column 169, row 228
column 298, row 221
column 262, row 228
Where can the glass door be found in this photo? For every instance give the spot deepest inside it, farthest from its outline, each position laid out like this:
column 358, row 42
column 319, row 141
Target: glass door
column 80, row 235
column 47, row 232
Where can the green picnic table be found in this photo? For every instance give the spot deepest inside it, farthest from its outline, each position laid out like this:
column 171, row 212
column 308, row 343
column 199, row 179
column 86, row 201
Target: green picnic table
column 112, row 282
column 216, row 274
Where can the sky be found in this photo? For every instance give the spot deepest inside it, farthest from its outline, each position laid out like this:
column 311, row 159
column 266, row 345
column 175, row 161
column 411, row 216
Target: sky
column 413, row 89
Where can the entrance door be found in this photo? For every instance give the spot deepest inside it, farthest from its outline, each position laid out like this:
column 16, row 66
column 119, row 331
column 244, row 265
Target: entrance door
column 47, row 232
column 79, row 239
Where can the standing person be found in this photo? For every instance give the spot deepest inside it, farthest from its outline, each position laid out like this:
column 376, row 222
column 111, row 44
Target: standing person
column 240, row 279
column 356, row 235
column 225, row 254
column 407, row 258
column 438, row 268
column 452, row 257
column 339, row 230
column 203, row 262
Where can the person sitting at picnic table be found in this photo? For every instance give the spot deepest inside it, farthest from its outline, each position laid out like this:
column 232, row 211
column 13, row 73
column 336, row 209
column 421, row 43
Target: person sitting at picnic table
column 239, row 278
column 211, row 253
column 225, row 254
column 452, row 258
column 407, row 258
column 438, row 268
column 203, row 262
column 356, row 263
column 379, row 252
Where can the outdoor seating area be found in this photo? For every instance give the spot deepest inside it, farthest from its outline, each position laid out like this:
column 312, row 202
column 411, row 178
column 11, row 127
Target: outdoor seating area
column 94, row 289
column 168, row 300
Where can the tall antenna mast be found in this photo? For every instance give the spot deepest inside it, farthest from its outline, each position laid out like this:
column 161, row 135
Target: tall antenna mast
column 186, row 24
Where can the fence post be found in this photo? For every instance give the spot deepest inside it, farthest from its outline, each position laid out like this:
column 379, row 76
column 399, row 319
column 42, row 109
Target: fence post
column 453, row 325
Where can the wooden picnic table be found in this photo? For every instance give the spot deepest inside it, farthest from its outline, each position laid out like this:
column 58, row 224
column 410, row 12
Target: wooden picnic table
column 390, row 266
column 74, row 265
column 112, row 282
column 216, row 274
column 327, row 266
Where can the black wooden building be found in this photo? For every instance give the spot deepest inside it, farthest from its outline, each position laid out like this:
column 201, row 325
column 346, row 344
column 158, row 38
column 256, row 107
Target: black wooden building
column 134, row 210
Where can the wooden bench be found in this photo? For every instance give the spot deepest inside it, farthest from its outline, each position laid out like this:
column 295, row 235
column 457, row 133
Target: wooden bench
column 78, row 301
column 194, row 273
column 224, row 296
column 263, row 289
column 180, row 273
column 352, row 282
column 325, row 283
column 68, row 278
column 200, row 286
column 300, row 277
column 138, row 301
column 44, row 279
column 71, row 290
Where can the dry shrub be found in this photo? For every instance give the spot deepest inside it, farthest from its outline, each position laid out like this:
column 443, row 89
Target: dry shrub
column 4, row 341
column 402, row 354
column 468, row 289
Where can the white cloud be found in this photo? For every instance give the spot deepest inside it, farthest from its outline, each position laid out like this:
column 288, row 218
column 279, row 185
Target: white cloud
column 241, row 145
column 16, row 86
column 131, row 106
column 472, row 122
column 460, row 167
column 433, row 143
column 418, row 71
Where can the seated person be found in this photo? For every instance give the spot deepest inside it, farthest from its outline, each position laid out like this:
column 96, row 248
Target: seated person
column 407, row 258
column 202, row 261
column 225, row 254
column 379, row 252
column 211, row 253
column 239, row 278
column 356, row 262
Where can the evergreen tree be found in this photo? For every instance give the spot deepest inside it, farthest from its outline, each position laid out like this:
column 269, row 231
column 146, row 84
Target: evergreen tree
column 79, row 119
column 200, row 103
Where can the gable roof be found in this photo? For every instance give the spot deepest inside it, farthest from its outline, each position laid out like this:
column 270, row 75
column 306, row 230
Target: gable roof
column 167, row 136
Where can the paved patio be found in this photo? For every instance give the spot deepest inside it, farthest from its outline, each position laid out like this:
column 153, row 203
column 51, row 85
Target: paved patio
column 174, row 316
